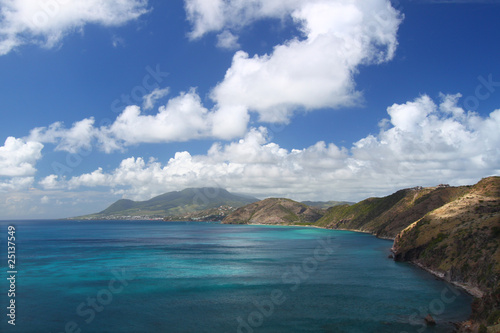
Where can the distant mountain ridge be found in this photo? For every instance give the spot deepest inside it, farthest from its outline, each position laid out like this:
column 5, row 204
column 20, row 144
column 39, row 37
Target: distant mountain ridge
column 189, row 203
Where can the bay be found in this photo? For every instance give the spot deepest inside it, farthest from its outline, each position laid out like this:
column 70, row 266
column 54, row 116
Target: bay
column 150, row 276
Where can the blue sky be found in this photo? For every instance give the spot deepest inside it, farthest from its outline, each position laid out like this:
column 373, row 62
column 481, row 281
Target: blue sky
column 312, row 100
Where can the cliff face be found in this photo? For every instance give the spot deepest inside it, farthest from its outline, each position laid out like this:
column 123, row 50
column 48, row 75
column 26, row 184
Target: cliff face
column 460, row 241
column 387, row 216
column 274, row 211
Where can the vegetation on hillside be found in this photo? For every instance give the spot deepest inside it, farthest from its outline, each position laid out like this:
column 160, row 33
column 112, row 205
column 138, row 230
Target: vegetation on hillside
column 188, row 203
column 387, row 216
column 460, row 241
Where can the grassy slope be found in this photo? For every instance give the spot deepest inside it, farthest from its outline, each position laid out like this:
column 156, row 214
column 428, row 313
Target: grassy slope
column 387, row 216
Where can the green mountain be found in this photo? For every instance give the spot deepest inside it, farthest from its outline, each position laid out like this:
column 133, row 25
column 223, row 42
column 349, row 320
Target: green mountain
column 191, row 202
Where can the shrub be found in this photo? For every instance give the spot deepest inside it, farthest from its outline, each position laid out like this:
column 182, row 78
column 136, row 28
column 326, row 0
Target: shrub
column 493, row 317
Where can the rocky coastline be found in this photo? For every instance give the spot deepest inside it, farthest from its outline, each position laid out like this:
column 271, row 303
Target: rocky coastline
column 450, row 232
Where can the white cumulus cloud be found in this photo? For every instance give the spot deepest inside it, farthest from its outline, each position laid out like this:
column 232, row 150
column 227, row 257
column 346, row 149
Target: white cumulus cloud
column 227, row 40
column 313, row 70
column 79, row 136
column 182, row 118
column 47, row 22
column 16, row 184
column 18, row 158
column 50, row 182
column 150, row 99
column 214, row 15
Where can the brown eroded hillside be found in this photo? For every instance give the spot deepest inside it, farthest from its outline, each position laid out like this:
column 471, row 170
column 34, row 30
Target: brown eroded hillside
column 274, row 211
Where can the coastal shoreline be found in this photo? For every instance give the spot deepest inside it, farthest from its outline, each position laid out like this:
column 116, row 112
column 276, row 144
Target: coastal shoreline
column 473, row 291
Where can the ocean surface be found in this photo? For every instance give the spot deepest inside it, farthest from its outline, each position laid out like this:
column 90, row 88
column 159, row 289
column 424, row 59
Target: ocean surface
column 146, row 276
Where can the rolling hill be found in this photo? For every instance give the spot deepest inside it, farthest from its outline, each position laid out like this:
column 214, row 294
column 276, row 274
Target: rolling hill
column 274, row 211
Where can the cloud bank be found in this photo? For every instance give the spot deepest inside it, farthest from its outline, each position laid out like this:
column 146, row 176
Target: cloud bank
column 422, row 142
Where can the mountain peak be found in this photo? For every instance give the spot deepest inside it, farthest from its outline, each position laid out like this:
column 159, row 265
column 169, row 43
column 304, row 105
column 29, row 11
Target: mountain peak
column 174, row 204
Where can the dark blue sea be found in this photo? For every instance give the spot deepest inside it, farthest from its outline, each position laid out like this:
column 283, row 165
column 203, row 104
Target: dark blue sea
column 147, row 276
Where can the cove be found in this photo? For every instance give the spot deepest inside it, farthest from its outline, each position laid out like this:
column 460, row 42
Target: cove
column 143, row 276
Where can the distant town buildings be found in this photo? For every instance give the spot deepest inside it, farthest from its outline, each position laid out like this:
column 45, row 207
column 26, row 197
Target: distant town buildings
column 418, row 188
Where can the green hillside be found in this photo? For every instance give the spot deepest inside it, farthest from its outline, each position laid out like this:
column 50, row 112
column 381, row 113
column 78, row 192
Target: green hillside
column 387, row 216
column 174, row 204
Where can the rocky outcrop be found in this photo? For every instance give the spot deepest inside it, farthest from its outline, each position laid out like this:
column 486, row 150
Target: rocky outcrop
column 429, row 320
column 275, row 211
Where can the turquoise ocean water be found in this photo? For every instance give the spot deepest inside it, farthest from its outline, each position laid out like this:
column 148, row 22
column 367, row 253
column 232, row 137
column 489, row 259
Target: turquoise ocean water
column 144, row 276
